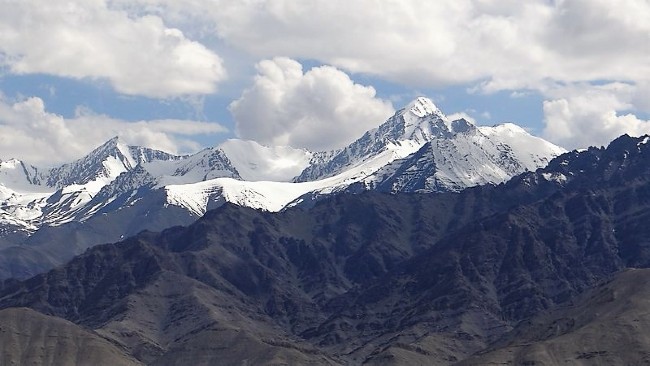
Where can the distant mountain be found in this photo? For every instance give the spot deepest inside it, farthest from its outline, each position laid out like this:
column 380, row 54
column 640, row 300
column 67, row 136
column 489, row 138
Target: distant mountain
column 371, row 278
column 53, row 197
column 420, row 150
column 103, row 164
column 417, row 150
column 474, row 156
column 455, row 154
column 506, row 148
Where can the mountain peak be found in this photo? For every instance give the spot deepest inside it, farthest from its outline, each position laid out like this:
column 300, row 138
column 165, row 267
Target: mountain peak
column 105, row 163
column 110, row 146
column 421, row 121
column 16, row 174
column 422, row 107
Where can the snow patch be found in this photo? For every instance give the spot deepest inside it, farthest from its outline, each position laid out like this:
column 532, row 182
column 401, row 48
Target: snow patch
column 555, row 177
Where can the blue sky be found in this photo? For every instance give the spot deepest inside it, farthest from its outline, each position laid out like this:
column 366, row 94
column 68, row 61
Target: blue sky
column 182, row 75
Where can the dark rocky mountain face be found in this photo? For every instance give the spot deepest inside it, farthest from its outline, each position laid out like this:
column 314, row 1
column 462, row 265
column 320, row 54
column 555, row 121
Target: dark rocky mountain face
column 605, row 325
column 361, row 278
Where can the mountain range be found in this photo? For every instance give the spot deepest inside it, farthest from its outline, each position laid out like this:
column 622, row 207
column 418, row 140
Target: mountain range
column 536, row 270
column 49, row 215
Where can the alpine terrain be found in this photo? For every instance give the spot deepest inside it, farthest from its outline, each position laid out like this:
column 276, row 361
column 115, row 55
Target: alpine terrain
column 536, row 270
column 49, row 215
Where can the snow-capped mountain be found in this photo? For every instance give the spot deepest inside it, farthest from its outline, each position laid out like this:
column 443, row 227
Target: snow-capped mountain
column 418, row 149
column 398, row 137
column 101, row 166
column 207, row 164
column 33, row 197
column 419, row 143
column 473, row 156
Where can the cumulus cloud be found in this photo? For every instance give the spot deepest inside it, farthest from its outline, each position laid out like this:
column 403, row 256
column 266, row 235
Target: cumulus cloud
column 31, row 133
column 144, row 47
column 592, row 115
column 504, row 44
column 461, row 115
column 137, row 55
column 319, row 109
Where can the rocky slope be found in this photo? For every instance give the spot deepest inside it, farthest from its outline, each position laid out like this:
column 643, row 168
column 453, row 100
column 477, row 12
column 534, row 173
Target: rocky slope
column 606, row 325
column 31, row 338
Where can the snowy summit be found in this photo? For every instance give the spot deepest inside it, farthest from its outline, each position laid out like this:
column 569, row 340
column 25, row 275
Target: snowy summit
column 422, row 106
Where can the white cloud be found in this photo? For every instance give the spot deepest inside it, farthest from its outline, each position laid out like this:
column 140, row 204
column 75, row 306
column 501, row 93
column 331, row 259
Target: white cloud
column 30, row 133
column 463, row 115
column 526, row 47
column 582, row 116
column 319, row 109
column 137, row 55
column 502, row 44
